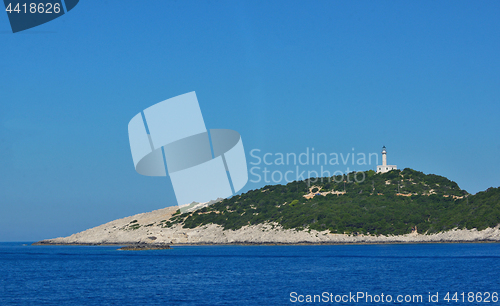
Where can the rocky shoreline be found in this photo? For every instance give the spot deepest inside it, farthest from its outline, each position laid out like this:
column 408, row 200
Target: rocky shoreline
column 146, row 229
column 123, row 246
column 144, row 247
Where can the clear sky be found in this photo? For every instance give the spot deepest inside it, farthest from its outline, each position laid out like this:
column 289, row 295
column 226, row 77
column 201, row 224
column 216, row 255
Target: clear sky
column 420, row 77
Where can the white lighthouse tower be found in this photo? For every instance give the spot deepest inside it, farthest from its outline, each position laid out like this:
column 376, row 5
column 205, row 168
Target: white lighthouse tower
column 385, row 167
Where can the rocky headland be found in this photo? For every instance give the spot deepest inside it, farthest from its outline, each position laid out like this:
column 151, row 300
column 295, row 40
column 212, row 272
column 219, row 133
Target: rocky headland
column 145, row 229
column 400, row 206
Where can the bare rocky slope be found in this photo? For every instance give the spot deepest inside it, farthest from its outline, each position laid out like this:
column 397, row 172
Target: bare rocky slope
column 148, row 228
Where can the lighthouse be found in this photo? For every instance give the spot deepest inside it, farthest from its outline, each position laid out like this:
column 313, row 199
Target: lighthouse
column 385, row 167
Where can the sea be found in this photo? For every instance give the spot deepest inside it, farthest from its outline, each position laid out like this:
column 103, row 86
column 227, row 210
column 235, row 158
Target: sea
column 390, row 274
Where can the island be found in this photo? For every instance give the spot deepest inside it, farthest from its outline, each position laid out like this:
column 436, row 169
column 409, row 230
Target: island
column 398, row 206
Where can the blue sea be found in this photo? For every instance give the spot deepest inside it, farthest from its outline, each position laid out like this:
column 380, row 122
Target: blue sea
column 410, row 274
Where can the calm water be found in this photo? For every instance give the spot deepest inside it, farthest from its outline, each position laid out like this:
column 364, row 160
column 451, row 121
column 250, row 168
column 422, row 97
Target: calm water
column 244, row 275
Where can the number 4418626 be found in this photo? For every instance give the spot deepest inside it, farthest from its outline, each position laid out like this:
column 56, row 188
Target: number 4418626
column 33, row 8
column 472, row 297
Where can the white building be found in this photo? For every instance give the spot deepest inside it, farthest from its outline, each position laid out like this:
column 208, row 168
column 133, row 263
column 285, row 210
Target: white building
column 385, row 167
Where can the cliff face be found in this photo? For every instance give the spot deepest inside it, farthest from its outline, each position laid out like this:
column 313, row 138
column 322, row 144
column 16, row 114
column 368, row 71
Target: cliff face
column 147, row 228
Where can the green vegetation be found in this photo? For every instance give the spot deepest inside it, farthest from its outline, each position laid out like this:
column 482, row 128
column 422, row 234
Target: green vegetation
column 381, row 204
column 133, row 225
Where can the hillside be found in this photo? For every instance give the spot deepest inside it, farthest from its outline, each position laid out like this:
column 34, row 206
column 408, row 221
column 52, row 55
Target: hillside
column 398, row 206
column 392, row 203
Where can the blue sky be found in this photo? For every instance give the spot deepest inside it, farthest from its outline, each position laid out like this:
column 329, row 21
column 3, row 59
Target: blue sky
column 420, row 77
